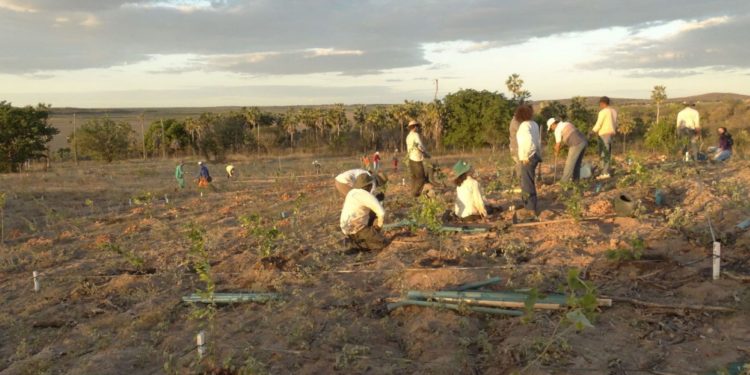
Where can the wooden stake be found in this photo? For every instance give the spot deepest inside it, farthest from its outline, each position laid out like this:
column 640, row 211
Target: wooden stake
column 75, row 141
column 36, row 281
column 200, row 341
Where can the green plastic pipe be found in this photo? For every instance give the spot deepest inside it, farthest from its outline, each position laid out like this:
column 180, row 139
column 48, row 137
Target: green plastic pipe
column 450, row 306
column 479, row 284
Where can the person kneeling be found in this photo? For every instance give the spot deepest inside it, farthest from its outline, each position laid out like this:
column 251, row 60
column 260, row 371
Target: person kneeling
column 362, row 215
column 724, row 151
column 470, row 205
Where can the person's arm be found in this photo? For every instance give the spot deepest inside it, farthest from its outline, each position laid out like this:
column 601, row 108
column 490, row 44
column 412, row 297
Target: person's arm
column 557, row 148
column 599, row 122
column 421, row 148
column 368, row 200
column 679, row 120
column 523, row 137
column 697, row 123
column 478, row 201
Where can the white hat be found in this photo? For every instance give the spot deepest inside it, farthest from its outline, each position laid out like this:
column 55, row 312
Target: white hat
column 200, row 162
column 551, row 121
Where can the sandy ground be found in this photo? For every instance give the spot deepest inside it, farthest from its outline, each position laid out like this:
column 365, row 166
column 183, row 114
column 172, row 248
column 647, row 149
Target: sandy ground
column 99, row 311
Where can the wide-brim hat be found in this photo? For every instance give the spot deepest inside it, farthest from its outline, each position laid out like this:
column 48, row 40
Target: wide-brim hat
column 552, row 121
column 363, row 180
column 414, row 123
column 461, row 167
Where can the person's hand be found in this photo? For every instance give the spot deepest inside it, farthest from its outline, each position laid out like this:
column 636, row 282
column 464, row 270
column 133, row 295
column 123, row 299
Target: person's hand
column 525, row 162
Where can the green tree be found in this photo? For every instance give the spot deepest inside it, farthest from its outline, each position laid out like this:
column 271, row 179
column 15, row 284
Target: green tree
column 658, row 95
column 514, row 83
column 176, row 137
column 554, row 109
column 476, row 118
column 24, row 134
column 254, row 118
column 104, row 139
column 580, row 115
column 433, row 118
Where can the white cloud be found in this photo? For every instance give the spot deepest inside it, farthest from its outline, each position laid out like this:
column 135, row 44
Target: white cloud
column 90, row 21
column 318, row 52
column 15, row 7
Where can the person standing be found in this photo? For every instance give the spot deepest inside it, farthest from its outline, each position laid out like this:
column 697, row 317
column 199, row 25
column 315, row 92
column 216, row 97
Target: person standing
column 362, row 215
column 606, row 129
column 513, row 145
column 180, row 175
column 689, row 130
column 567, row 133
column 204, row 178
column 529, row 155
column 376, row 161
column 395, row 163
column 366, row 162
column 417, row 153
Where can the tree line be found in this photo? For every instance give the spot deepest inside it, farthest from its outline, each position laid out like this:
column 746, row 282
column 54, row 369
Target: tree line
column 465, row 119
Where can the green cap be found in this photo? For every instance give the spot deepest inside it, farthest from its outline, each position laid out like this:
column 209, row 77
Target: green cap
column 461, row 167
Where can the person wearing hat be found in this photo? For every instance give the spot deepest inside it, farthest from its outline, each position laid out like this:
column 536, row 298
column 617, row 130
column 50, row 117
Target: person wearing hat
column 470, row 204
column 529, row 155
column 376, row 161
column 417, row 153
column 180, row 175
column 567, row 133
column 204, row 178
column 689, row 129
column 606, row 129
column 345, row 180
column 362, row 215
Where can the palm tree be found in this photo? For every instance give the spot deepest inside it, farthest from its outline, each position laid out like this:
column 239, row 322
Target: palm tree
column 433, row 116
column 360, row 118
column 253, row 116
column 658, row 95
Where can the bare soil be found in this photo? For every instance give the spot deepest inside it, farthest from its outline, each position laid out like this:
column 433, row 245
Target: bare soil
column 100, row 312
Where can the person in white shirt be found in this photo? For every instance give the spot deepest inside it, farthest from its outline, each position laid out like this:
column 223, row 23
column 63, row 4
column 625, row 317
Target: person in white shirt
column 529, row 155
column 362, row 216
column 567, row 133
column 417, row 153
column 689, row 129
column 230, row 171
column 470, row 204
column 606, row 129
column 345, row 180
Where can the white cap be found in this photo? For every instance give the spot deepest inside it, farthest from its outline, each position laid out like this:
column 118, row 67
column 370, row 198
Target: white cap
column 200, row 162
column 551, row 121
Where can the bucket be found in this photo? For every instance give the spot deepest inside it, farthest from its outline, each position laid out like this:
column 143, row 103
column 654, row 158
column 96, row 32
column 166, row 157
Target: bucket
column 624, row 204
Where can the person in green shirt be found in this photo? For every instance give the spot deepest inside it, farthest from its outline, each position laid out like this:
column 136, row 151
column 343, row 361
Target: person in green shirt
column 179, row 175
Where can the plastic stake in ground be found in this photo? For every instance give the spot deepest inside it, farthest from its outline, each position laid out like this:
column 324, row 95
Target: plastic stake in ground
column 717, row 260
column 36, row 280
column 220, row 298
column 200, row 342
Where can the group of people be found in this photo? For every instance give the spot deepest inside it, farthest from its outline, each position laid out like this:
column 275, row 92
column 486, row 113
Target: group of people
column 362, row 215
column 203, row 177
column 690, row 132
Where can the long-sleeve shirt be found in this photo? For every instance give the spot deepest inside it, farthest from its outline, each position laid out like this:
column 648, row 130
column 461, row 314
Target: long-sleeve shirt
column 178, row 173
column 725, row 142
column 356, row 212
column 568, row 133
column 688, row 118
column 529, row 140
column 512, row 130
column 606, row 122
column 469, row 199
column 415, row 147
column 204, row 172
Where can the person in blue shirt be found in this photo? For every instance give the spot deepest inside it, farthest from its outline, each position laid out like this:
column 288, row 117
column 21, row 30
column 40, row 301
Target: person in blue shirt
column 204, row 178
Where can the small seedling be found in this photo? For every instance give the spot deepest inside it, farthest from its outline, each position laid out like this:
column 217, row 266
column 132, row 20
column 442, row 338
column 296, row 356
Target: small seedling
column 129, row 255
column 428, row 213
column 267, row 236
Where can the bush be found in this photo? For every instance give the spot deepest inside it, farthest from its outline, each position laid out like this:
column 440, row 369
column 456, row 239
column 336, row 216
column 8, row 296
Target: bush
column 104, row 139
column 662, row 137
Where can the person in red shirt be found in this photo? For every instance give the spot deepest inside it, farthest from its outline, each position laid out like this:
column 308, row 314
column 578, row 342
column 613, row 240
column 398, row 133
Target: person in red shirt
column 376, row 160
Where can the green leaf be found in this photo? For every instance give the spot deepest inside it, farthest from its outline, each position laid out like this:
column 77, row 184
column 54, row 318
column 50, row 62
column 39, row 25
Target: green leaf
column 579, row 319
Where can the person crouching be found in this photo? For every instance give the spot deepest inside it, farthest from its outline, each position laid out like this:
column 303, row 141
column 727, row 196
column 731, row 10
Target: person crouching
column 362, row 216
column 469, row 202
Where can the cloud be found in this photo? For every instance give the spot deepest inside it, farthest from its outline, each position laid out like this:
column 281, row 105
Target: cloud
column 15, row 7
column 714, row 43
column 662, row 73
column 349, row 37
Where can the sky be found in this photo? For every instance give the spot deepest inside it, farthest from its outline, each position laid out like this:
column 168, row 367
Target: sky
column 196, row 53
